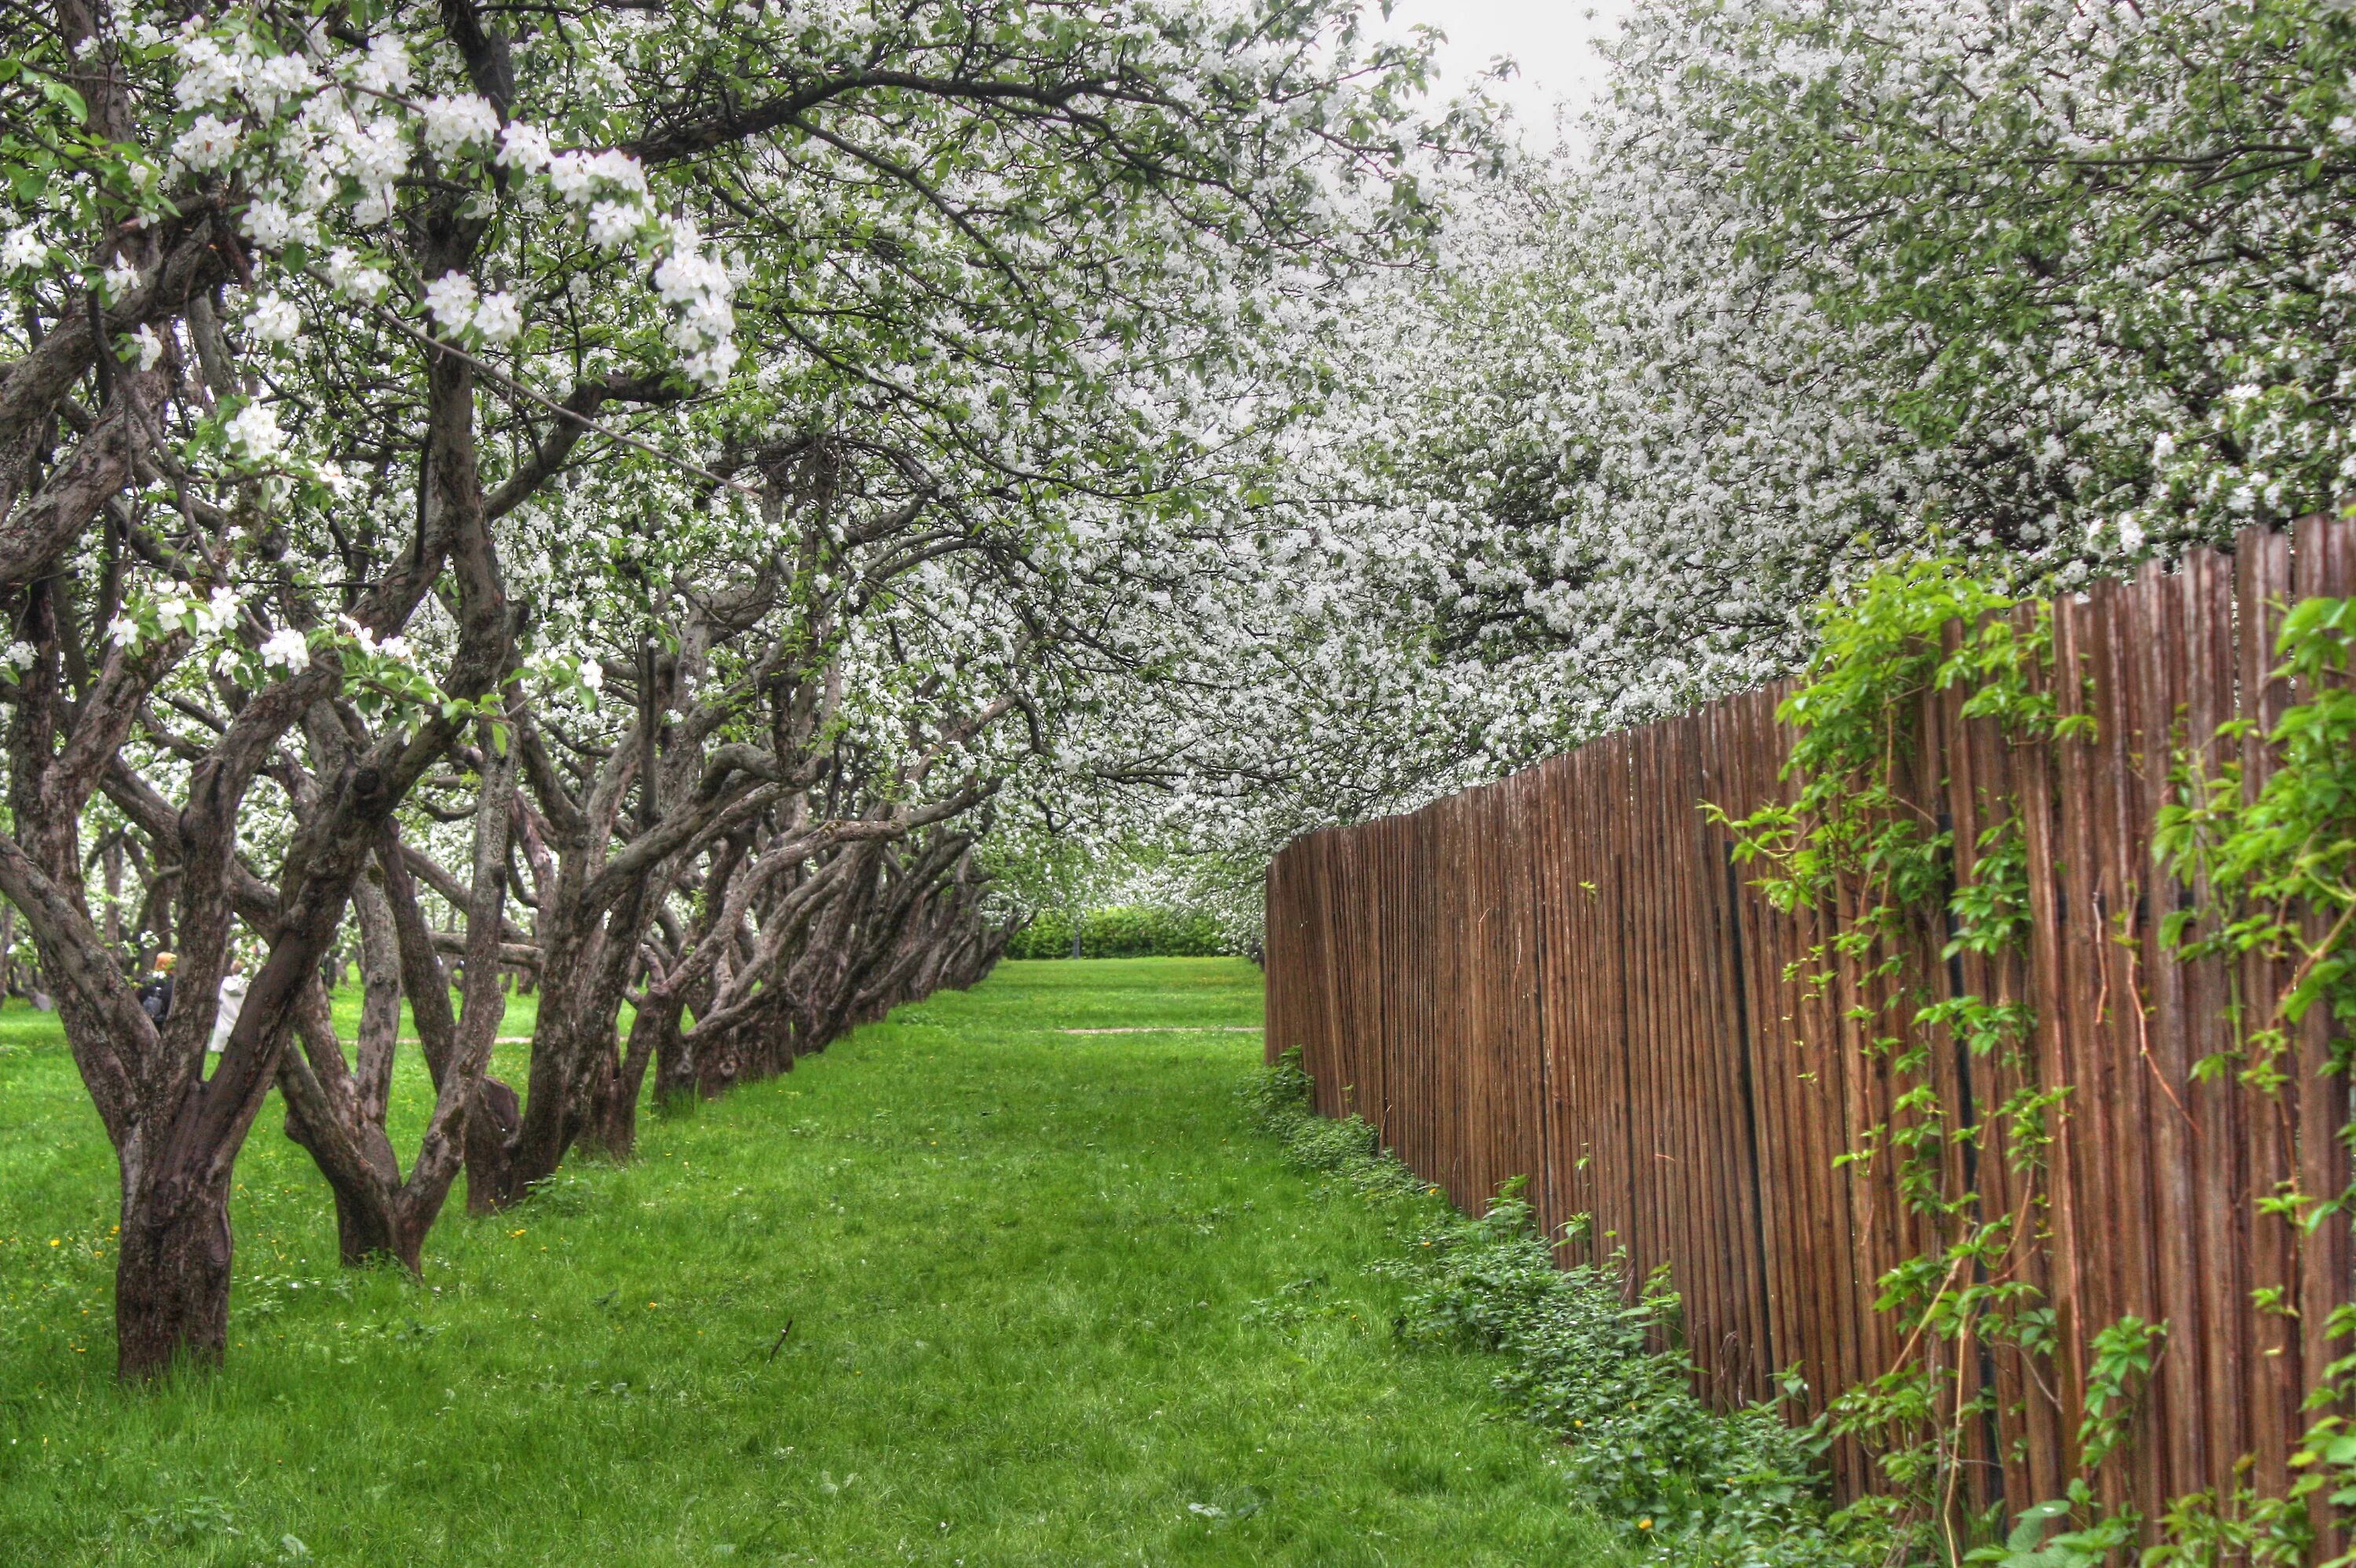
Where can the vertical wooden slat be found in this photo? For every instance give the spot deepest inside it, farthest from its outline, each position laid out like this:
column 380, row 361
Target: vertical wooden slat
column 1972, row 783
column 2046, row 982
column 2130, row 1170
column 2205, row 589
column 2090, row 1113
column 2154, row 653
column 2260, row 581
column 2320, row 565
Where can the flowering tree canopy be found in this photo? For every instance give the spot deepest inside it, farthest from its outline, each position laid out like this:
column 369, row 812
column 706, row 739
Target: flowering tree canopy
column 608, row 492
column 2050, row 286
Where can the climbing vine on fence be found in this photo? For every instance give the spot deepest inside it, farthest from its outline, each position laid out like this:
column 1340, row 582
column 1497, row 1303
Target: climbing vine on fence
column 2275, row 868
column 1858, row 845
column 1861, row 844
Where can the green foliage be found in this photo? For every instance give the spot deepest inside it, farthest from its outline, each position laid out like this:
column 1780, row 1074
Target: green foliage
column 2094, row 1546
column 1858, row 846
column 2035, row 190
column 2282, row 868
column 2274, row 869
column 1584, row 1358
column 1123, row 931
column 1879, row 654
column 2116, row 1375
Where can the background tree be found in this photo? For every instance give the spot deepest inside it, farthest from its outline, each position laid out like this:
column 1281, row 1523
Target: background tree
column 2052, row 287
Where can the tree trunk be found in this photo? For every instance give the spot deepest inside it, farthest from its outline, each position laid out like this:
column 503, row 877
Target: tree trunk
column 372, row 1225
column 372, row 1216
column 609, row 1122
column 171, row 1278
column 491, row 1135
column 769, row 1033
column 540, row 1125
column 615, row 1126
column 366, row 1195
column 656, row 1029
column 111, row 861
column 605, row 1108
column 717, row 1063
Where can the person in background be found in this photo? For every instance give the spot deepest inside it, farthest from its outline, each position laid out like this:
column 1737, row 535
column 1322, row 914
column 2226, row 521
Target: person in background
column 156, row 996
column 232, row 999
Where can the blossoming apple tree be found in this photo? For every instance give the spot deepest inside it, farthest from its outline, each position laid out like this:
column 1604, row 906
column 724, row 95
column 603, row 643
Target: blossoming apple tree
column 637, row 449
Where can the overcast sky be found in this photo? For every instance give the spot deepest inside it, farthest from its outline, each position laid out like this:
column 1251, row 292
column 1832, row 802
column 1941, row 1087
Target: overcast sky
column 1551, row 40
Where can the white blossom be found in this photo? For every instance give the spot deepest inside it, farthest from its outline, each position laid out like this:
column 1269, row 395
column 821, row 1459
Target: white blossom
column 274, row 319
column 22, row 247
column 275, row 80
column 710, row 367
column 611, row 225
column 619, row 171
column 455, row 122
column 450, row 300
column 570, row 174
column 151, row 347
column 697, row 286
column 355, row 277
column 498, row 318
column 209, row 73
column 387, row 68
column 217, row 614
column 286, row 649
column 524, row 147
column 579, row 177
column 253, row 433
column 268, row 223
column 358, row 631
column 207, row 142
column 375, row 152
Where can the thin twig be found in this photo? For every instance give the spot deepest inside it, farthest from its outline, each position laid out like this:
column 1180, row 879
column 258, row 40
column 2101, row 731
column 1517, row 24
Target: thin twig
column 2142, row 1043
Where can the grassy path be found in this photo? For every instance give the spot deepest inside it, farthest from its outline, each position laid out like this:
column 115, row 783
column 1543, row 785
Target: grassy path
column 1020, row 1266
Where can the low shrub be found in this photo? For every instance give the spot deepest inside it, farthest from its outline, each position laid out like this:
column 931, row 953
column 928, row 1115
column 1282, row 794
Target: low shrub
column 1583, row 1361
column 1123, row 931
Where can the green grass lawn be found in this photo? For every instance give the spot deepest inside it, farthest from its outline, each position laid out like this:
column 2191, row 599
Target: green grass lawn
column 1018, row 1266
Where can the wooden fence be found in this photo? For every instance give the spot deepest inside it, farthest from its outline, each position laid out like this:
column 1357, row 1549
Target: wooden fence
column 1565, row 975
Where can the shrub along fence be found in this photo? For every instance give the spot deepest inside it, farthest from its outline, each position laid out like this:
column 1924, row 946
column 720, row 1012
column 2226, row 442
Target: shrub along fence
column 1580, row 975
column 1122, row 931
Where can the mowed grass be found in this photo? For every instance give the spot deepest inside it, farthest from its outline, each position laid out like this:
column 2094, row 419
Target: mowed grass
column 963, row 1289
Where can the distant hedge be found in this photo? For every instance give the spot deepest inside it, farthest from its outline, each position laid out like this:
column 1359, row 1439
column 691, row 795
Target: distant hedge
column 1122, row 931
